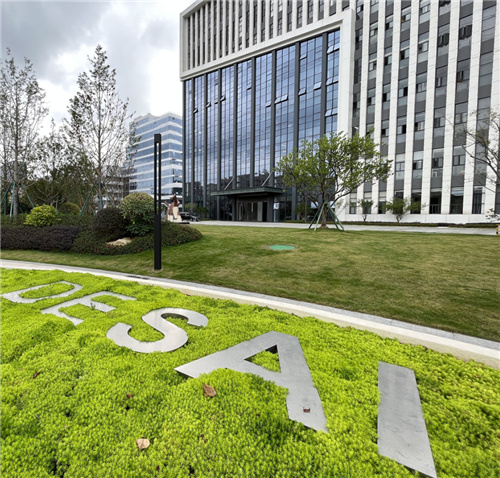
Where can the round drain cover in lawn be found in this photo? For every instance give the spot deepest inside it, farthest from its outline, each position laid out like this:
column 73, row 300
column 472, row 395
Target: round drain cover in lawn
column 282, row 248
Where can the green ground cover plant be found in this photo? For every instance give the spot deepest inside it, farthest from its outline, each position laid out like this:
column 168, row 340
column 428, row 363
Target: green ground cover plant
column 447, row 281
column 74, row 403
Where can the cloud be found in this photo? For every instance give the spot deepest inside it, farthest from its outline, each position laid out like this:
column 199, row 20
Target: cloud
column 141, row 39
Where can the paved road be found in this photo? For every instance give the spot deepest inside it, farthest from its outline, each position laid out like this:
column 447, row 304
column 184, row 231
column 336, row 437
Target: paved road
column 351, row 227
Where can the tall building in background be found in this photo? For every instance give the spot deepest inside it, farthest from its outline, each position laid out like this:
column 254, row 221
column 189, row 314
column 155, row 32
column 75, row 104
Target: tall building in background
column 261, row 76
column 141, row 168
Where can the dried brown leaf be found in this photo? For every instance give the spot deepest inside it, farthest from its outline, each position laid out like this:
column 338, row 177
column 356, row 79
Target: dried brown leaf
column 142, row 443
column 209, row 391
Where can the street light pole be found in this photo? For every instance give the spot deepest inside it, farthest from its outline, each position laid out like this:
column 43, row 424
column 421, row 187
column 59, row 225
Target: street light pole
column 157, row 202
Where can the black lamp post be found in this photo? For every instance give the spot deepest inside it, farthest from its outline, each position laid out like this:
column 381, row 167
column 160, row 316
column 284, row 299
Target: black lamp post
column 157, row 201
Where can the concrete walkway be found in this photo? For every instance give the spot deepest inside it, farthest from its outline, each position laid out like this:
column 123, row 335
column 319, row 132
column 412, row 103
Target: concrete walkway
column 359, row 227
column 461, row 346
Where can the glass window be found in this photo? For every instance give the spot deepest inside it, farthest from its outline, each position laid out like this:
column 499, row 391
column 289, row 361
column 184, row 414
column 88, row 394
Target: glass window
column 389, row 23
column 405, row 18
column 399, row 170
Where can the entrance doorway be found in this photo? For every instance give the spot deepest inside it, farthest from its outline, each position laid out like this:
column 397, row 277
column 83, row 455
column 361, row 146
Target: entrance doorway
column 252, row 211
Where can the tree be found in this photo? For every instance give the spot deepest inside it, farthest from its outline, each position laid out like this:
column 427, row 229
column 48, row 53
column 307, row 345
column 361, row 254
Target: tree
column 51, row 157
column 98, row 127
column 366, row 206
column 483, row 145
column 399, row 207
column 22, row 109
column 331, row 167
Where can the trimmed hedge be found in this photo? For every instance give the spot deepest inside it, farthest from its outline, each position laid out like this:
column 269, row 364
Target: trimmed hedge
column 6, row 220
column 53, row 238
column 171, row 235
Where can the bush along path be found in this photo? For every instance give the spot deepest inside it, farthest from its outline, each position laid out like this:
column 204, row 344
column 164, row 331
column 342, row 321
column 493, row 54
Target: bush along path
column 46, row 230
column 74, row 403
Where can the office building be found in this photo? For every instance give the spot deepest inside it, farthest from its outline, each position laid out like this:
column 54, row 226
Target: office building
column 261, row 76
column 141, row 167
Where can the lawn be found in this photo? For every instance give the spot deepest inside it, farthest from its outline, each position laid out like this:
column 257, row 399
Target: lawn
column 448, row 281
column 74, row 402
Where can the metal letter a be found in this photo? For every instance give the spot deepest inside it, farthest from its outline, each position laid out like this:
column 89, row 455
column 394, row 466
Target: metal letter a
column 303, row 402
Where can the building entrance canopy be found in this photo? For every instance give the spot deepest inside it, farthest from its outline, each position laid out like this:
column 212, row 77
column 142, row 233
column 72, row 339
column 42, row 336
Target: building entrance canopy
column 259, row 190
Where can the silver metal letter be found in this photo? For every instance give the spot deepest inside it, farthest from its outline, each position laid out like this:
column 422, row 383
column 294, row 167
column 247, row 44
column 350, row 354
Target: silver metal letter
column 402, row 434
column 16, row 296
column 303, row 402
column 86, row 300
column 174, row 338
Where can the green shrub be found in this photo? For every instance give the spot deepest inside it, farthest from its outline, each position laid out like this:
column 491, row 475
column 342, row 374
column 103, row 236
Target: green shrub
column 109, row 224
column 83, row 222
column 6, row 220
column 69, row 208
column 138, row 209
column 42, row 216
column 171, row 234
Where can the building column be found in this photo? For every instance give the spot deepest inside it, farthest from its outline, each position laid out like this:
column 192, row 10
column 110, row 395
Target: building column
column 205, row 153
column 252, row 126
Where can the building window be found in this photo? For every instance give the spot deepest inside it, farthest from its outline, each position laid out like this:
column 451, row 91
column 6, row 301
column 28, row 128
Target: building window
column 458, row 165
column 478, row 201
column 439, row 122
column 358, row 37
column 460, row 118
column 440, row 81
column 404, row 54
column 371, row 98
column 405, row 17
column 435, row 202
column 419, row 125
column 423, row 47
column 456, row 200
column 399, row 170
column 373, row 32
column 425, row 7
column 443, row 39
column 403, row 92
column 437, row 162
column 462, row 75
column 384, row 130
column 417, row 168
column 465, row 32
column 386, row 96
column 389, row 22
column 421, row 86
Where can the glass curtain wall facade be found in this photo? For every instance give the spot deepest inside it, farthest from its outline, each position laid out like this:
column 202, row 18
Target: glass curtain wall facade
column 413, row 75
column 141, row 169
column 241, row 119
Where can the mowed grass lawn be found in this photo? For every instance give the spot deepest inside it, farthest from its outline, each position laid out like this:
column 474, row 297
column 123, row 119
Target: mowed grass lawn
column 448, row 281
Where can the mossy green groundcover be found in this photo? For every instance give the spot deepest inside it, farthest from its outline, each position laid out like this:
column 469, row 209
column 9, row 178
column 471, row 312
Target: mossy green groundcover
column 74, row 403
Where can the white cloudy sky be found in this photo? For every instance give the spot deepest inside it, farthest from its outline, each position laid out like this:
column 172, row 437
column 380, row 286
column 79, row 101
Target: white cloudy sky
column 140, row 37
